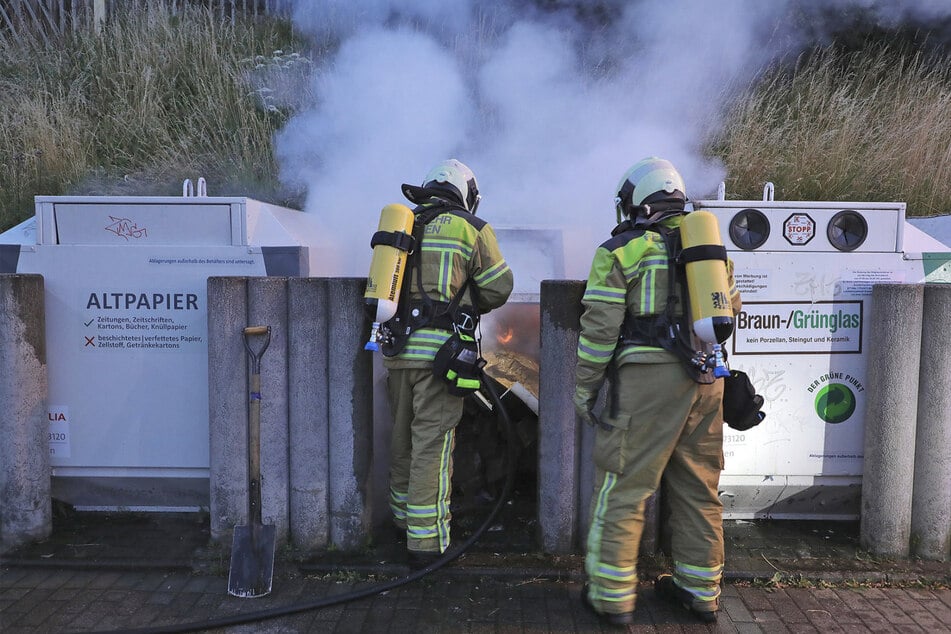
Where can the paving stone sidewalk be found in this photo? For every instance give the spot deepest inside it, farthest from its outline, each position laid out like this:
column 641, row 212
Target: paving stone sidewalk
column 34, row 601
column 148, row 575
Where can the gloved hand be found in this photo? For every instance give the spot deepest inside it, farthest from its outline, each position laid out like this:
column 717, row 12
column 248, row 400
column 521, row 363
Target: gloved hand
column 584, row 399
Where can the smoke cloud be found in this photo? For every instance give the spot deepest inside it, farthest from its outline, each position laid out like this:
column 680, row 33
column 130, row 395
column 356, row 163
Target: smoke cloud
column 549, row 102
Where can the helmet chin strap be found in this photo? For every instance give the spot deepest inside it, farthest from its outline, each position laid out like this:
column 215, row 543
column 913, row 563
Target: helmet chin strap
column 638, row 214
column 634, row 214
column 650, row 218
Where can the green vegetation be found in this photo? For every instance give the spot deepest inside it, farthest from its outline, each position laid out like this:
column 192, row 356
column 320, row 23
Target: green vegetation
column 158, row 97
column 153, row 99
column 871, row 124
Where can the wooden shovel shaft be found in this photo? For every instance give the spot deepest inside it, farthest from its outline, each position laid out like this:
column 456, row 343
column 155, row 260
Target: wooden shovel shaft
column 254, row 451
column 254, row 419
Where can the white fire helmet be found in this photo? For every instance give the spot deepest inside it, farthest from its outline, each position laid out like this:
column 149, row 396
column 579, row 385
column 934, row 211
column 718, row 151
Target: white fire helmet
column 645, row 178
column 459, row 179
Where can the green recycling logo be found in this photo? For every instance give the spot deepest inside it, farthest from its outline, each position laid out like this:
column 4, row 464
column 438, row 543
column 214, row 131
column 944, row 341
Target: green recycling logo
column 835, row 403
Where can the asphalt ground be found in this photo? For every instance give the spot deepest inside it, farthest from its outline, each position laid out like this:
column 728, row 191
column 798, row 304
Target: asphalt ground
column 159, row 573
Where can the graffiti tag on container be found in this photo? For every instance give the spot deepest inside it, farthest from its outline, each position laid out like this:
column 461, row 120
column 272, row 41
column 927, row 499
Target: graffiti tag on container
column 125, row 228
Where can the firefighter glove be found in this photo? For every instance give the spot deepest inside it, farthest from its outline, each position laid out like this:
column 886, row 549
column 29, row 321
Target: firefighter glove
column 585, row 398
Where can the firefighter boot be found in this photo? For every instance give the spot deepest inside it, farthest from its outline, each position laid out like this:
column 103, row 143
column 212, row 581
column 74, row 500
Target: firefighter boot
column 620, row 619
column 666, row 589
column 419, row 559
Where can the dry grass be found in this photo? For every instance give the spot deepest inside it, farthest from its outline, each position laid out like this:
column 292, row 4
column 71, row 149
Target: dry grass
column 866, row 126
column 155, row 98
column 159, row 96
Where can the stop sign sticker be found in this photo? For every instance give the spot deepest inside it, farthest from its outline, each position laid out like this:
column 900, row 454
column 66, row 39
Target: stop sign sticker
column 799, row 229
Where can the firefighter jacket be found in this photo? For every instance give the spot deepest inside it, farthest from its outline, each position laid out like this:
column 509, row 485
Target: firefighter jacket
column 456, row 246
column 628, row 275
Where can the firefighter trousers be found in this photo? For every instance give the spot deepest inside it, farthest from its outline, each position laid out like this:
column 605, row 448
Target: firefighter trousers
column 425, row 417
column 665, row 425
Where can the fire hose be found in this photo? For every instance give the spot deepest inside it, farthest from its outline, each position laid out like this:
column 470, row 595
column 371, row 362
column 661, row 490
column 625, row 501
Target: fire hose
column 447, row 557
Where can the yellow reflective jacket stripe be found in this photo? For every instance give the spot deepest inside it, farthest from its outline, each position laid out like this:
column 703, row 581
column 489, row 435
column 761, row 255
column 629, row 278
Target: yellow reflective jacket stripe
column 626, row 273
column 456, row 245
column 628, row 276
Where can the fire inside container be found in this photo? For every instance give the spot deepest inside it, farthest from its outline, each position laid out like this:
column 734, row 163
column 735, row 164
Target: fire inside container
column 511, row 345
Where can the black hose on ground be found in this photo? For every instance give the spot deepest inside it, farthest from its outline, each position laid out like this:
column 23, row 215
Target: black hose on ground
column 447, row 557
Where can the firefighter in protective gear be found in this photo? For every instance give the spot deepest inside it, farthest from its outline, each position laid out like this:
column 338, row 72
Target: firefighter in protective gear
column 664, row 423
column 458, row 253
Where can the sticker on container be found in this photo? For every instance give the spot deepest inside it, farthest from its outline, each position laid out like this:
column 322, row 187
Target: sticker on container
column 59, row 431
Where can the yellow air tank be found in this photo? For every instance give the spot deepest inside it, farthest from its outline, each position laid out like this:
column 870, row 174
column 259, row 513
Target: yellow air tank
column 707, row 282
column 391, row 244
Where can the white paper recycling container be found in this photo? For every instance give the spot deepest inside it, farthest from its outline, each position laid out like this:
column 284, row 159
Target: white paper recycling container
column 126, row 321
column 805, row 271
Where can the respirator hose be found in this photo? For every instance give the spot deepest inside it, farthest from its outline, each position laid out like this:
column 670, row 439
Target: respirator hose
column 447, row 557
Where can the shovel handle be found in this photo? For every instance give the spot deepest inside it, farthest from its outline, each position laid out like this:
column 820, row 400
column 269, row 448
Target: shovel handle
column 249, row 333
column 254, row 419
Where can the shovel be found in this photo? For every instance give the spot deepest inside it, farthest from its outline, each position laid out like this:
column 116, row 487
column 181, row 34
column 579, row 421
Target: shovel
column 252, row 552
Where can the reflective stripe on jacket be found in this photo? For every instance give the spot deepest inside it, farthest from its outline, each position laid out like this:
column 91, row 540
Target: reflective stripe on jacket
column 628, row 275
column 456, row 246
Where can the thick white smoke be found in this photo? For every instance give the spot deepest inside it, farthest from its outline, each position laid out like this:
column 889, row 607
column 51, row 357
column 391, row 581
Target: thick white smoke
column 549, row 102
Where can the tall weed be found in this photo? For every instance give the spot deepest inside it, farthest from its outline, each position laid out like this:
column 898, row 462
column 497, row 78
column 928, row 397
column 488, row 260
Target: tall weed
column 156, row 97
column 159, row 96
column 869, row 125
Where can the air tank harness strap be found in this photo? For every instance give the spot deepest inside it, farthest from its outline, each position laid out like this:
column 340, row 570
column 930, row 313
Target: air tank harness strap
column 431, row 309
column 399, row 327
column 670, row 329
column 415, row 314
column 442, row 315
column 703, row 252
column 649, row 330
column 400, row 240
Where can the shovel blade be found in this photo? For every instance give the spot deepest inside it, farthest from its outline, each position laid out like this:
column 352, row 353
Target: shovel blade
column 252, row 561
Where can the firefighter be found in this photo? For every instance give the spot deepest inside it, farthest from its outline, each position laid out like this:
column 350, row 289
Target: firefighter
column 458, row 275
column 664, row 418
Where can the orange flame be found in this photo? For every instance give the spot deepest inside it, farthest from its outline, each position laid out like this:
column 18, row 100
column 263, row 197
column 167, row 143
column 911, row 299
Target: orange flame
column 507, row 337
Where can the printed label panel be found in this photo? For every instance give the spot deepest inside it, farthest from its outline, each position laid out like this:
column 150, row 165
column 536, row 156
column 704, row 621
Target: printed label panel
column 833, row 327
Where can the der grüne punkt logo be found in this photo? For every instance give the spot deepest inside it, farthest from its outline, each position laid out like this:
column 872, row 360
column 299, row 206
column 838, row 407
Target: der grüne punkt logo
column 835, row 403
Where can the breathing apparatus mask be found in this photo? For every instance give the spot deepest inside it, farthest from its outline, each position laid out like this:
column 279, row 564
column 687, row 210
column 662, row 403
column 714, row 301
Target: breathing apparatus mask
column 459, row 364
column 742, row 406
